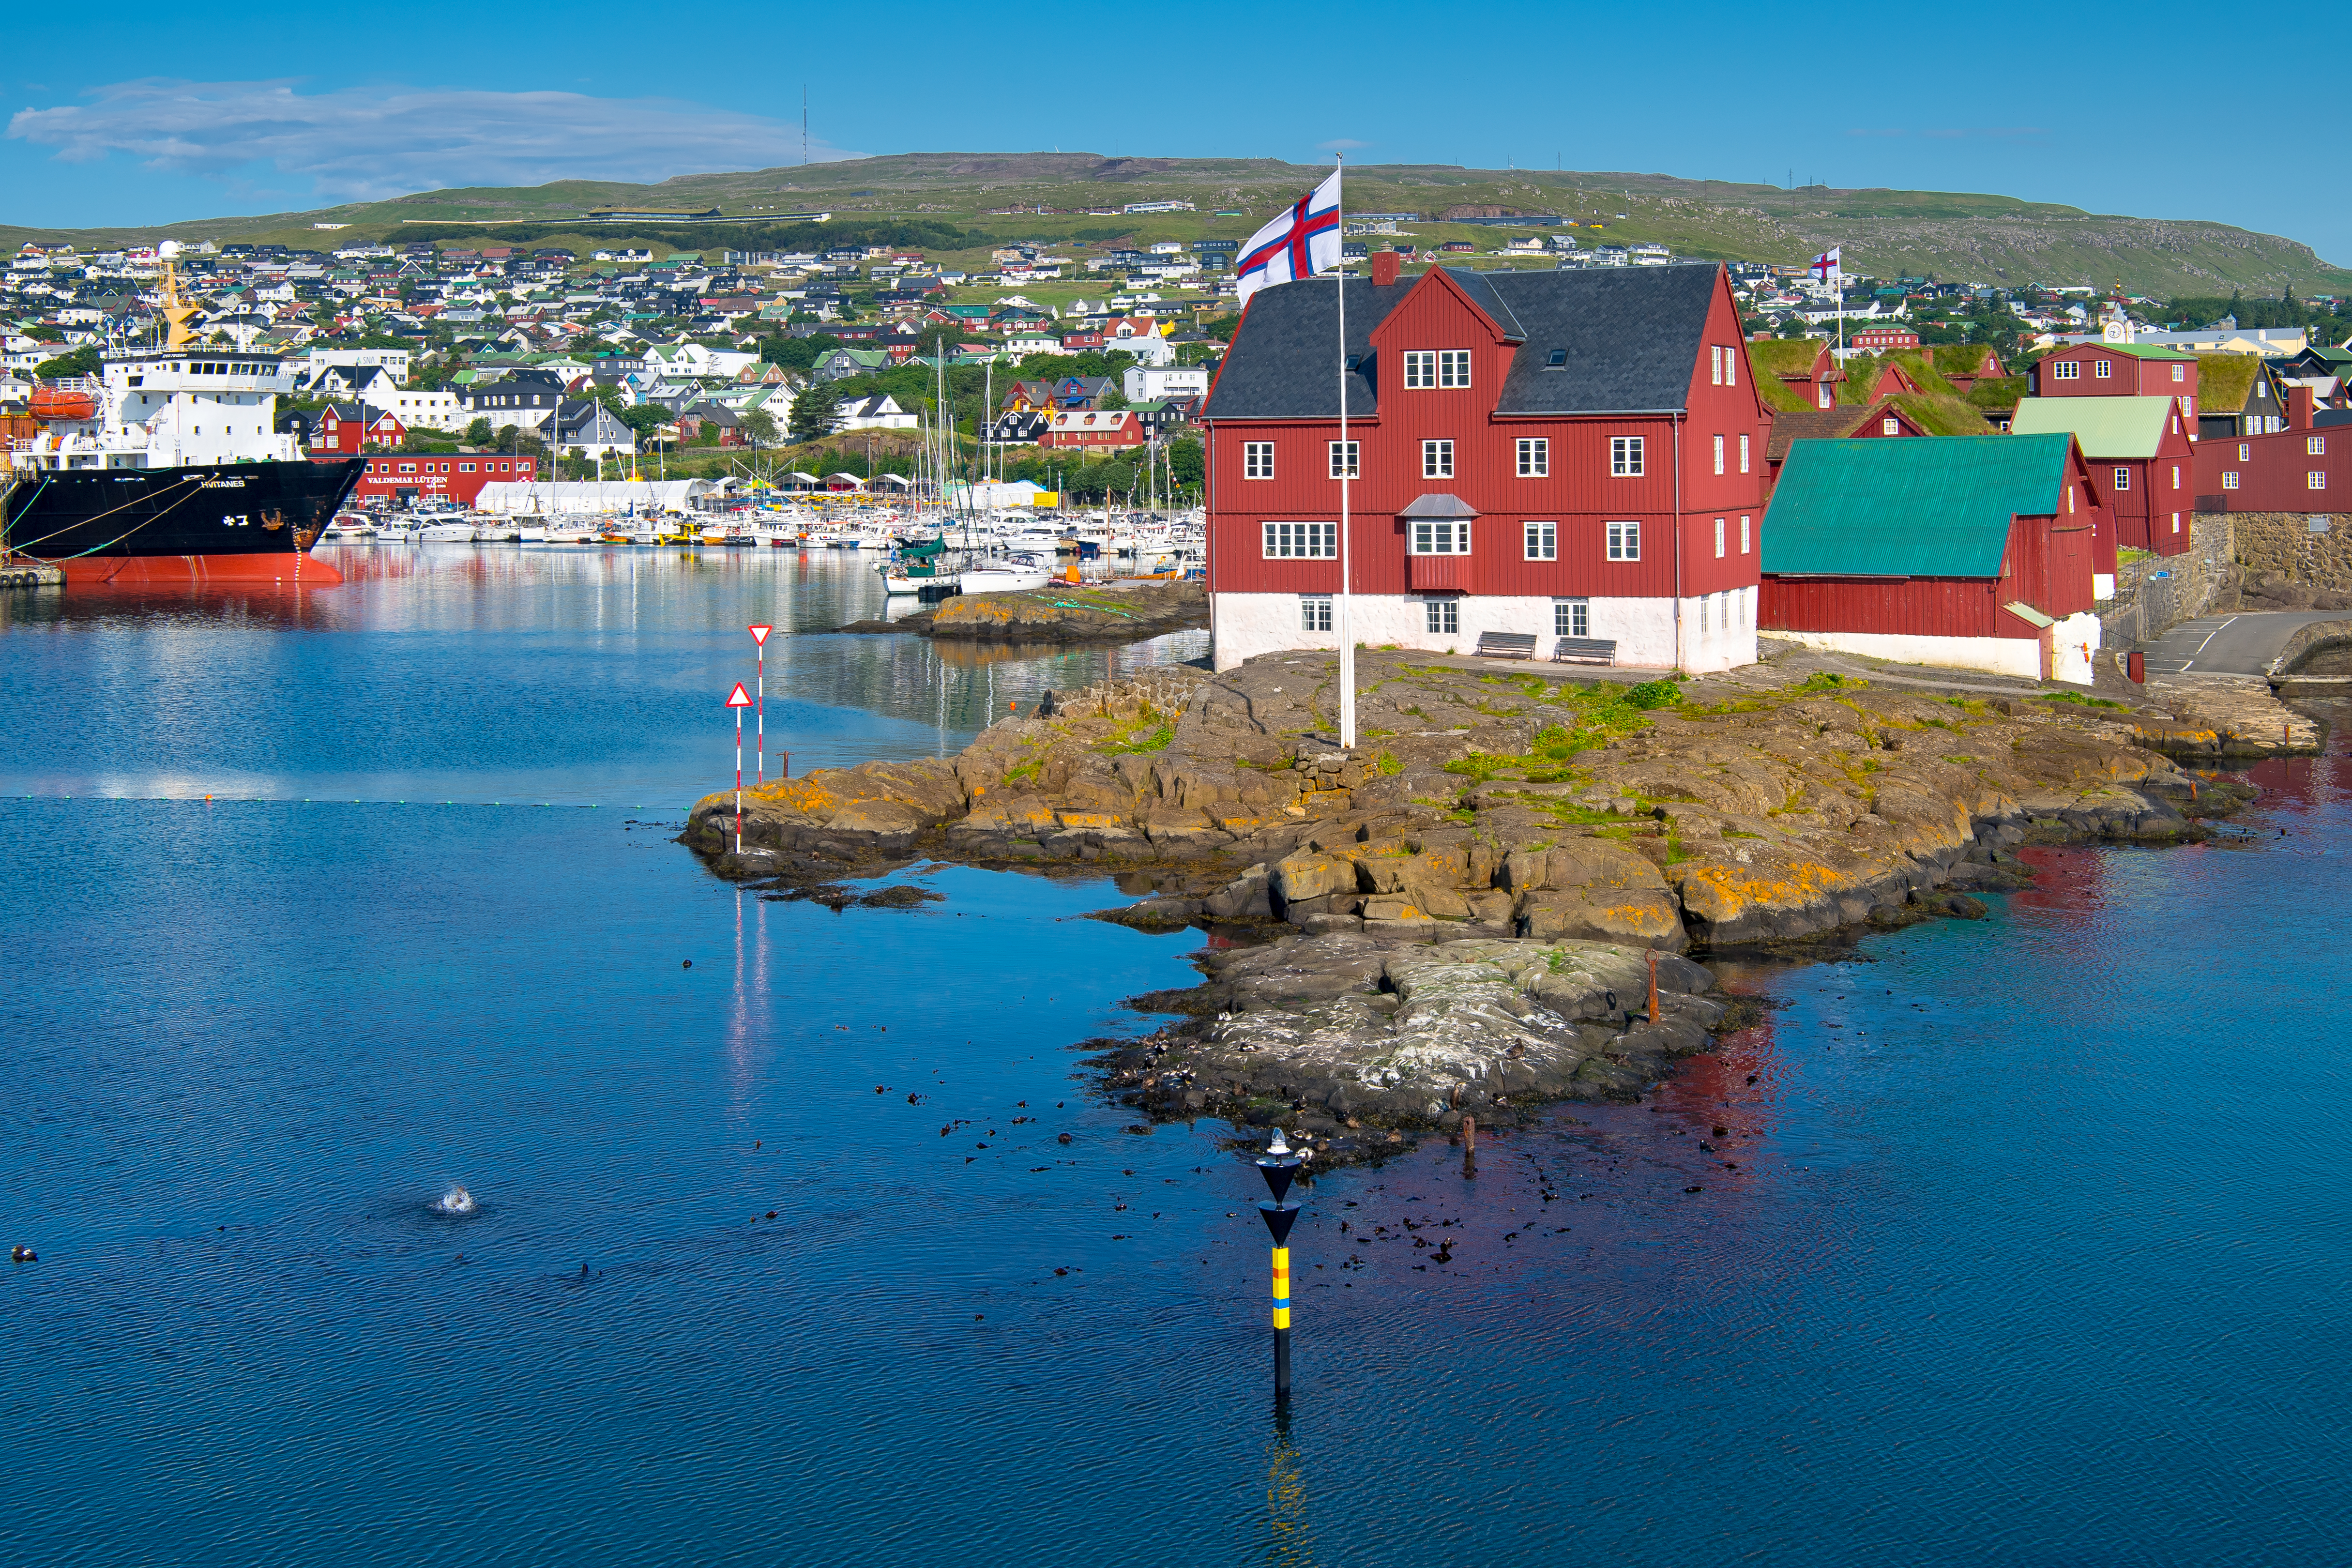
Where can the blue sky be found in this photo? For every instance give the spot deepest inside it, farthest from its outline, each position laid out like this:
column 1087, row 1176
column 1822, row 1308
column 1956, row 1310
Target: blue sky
column 187, row 112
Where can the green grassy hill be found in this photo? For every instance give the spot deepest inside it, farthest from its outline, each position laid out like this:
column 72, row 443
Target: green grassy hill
column 1954, row 235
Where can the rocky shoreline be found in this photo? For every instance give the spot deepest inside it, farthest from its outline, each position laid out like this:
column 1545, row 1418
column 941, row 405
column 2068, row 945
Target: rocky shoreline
column 1459, row 915
column 1120, row 612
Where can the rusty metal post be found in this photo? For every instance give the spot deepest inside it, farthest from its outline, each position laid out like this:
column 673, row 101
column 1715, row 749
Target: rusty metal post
column 1653, row 985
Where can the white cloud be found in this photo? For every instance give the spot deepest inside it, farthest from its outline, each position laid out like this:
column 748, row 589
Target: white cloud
column 367, row 143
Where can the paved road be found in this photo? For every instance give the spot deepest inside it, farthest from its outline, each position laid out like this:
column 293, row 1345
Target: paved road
column 2231, row 645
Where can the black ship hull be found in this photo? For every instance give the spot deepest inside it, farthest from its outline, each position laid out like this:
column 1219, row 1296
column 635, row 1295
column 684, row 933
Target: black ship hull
column 241, row 522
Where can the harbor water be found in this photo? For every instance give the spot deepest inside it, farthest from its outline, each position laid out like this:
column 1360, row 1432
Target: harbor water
column 2015, row 1241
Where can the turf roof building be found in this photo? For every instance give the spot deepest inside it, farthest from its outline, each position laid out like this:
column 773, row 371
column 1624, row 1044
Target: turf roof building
column 1561, row 454
column 1974, row 552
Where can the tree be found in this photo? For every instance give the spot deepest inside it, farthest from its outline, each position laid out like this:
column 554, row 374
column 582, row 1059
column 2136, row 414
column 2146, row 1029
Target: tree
column 1188, row 464
column 816, row 412
column 759, row 426
column 477, row 434
column 84, row 361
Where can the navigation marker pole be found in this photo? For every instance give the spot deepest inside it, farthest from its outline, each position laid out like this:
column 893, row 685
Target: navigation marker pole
column 759, row 710
column 739, row 700
column 1279, row 1167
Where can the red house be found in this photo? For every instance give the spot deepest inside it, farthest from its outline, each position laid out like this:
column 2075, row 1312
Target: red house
column 2117, row 370
column 405, row 476
column 1112, row 429
column 1971, row 552
column 347, row 428
column 2292, row 469
column 1566, row 454
column 2142, row 466
column 1878, row 340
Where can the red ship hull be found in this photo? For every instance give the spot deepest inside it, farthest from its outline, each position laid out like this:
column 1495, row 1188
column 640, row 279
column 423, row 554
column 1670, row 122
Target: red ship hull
column 292, row 568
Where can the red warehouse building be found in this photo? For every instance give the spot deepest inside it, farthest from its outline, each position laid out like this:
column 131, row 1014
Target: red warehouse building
column 1973, row 551
column 406, row 476
column 2117, row 370
column 1568, row 454
column 1104, row 429
column 2142, row 466
column 2292, row 469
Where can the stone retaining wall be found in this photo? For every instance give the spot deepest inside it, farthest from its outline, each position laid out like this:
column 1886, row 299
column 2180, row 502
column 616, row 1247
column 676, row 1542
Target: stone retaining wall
column 2146, row 605
column 2310, row 548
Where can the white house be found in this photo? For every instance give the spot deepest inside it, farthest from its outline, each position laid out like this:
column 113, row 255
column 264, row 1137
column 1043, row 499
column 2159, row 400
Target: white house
column 880, row 412
column 1152, row 383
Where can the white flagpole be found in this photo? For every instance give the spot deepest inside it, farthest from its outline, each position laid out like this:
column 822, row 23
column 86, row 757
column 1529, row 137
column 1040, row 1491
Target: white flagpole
column 1347, row 473
column 1837, row 287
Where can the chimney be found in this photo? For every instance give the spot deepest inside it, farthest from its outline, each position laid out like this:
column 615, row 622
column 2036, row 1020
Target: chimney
column 1385, row 268
column 2298, row 406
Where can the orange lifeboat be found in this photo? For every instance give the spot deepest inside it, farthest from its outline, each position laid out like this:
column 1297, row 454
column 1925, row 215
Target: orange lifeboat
column 52, row 401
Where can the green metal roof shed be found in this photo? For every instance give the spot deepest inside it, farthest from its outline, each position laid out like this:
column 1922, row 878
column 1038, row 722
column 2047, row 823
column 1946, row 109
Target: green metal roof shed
column 1934, row 507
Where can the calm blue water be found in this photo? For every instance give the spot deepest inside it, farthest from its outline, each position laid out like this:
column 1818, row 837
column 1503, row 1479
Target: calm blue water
column 2033, row 1252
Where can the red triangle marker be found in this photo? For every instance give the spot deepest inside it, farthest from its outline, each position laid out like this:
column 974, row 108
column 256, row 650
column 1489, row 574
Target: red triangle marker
column 759, row 635
column 739, row 698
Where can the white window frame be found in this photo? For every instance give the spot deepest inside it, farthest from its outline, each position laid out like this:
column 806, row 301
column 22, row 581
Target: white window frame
column 1625, row 540
column 2316, row 479
column 1719, row 538
column 1540, row 540
column 2123, row 477
column 2180, row 372
column 1354, row 460
column 1257, row 460
column 2315, row 446
column 1314, row 612
column 2229, row 478
column 1420, row 369
column 1437, row 459
column 1731, row 365
column 2175, row 523
column 1535, row 457
column 1890, row 425
column 1743, row 535
column 1627, row 456
column 1571, row 617
column 2103, row 370
column 2245, row 452
column 1441, row 616
column 1437, row 536
column 1714, row 365
column 1289, row 540
column 1452, row 369
column 1743, row 454
column 2066, row 370
column 1718, row 454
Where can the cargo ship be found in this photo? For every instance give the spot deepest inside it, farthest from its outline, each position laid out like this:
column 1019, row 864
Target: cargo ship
column 167, row 467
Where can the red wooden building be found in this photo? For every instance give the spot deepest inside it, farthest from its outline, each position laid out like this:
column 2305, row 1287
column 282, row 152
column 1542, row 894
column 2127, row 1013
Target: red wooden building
column 348, row 427
column 1878, row 340
column 2117, row 370
column 1112, row 430
column 1566, row 454
column 404, row 477
column 2142, row 465
column 1972, row 551
column 2293, row 470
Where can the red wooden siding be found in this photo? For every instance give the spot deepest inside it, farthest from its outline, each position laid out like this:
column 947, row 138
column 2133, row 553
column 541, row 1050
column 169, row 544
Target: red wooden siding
column 1579, row 494
column 2128, row 375
column 2046, row 566
column 2274, row 472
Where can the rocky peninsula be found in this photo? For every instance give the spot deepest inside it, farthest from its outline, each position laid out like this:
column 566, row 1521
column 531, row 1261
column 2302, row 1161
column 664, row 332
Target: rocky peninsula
column 1459, row 914
column 1119, row 611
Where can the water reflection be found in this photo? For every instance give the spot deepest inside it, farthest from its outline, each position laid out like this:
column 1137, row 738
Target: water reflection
column 465, row 672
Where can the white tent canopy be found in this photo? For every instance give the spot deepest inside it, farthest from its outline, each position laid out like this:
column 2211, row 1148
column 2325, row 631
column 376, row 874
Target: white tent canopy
column 588, row 496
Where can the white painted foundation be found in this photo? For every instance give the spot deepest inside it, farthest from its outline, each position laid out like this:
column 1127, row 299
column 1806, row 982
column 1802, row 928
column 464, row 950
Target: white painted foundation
column 2073, row 645
column 2073, row 641
column 2102, row 586
column 1247, row 624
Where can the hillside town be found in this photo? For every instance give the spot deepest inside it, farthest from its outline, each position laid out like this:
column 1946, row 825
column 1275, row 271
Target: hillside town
column 2054, row 445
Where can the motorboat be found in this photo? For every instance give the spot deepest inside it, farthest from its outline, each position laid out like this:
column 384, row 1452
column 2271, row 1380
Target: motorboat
column 1012, row 575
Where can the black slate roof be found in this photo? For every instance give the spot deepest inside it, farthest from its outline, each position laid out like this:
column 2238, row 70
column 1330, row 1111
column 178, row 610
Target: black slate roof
column 1630, row 335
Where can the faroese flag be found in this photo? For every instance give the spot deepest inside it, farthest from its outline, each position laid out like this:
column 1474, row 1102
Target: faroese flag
column 1302, row 241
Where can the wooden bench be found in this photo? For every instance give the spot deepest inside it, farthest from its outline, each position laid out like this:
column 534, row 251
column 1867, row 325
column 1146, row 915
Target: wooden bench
column 1507, row 645
column 1584, row 650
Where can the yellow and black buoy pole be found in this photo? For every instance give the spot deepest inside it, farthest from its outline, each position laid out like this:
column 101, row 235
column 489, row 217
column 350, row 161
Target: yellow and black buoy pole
column 1279, row 1168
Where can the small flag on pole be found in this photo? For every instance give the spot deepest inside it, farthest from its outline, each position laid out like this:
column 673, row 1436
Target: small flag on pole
column 1302, row 241
column 1825, row 266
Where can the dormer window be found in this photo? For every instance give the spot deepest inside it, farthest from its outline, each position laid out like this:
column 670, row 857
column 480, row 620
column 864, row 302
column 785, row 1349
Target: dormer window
column 1556, row 360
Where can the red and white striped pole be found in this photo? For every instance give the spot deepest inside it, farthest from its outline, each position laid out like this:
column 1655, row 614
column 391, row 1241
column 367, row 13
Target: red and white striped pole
column 739, row 700
column 759, row 710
